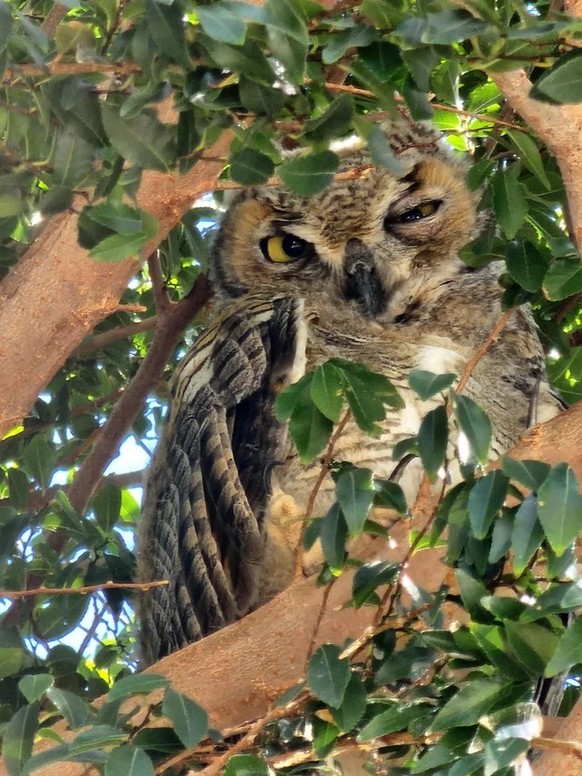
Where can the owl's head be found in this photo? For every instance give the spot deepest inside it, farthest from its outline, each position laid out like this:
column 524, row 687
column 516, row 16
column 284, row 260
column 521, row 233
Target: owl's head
column 375, row 240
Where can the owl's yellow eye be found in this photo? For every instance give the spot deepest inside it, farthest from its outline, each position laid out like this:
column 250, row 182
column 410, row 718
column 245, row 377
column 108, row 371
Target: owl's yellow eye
column 284, row 248
column 423, row 210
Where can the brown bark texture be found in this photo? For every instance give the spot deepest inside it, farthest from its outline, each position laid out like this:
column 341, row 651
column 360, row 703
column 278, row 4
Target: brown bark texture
column 56, row 294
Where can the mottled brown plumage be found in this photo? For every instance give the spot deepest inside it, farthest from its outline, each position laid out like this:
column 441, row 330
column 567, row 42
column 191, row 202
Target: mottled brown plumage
column 369, row 271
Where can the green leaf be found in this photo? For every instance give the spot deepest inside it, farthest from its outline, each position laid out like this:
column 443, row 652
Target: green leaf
column 166, row 27
column 427, row 384
column 334, row 121
column 107, row 505
column 5, row 24
column 442, row 27
column 560, row 507
column 355, row 494
column 359, row 35
column 366, row 393
column 349, row 713
column 137, row 684
column 568, row 650
column 219, row 22
column 74, row 709
column 475, row 424
column 116, row 216
column 530, row 155
column 433, row 437
column 258, row 98
column 563, row 279
column 40, row 459
column 529, row 473
column 189, row 720
column 527, row 534
column 471, row 702
column 95, row 737
column 326, row 391
column 18, row 738
column 525, row 264
column 34, row 686
column 333, row 534
column 485, row 500
column 246, row 765
column 309, row 174
column 472, row 591
column 382, row 154
column 532, row 644
column 508, row 201
column 119, row 246
column 369, row 577
column 309, row 428
column 390, row 495
column 562, row 83
column 324, row 737
column 141, row 139
column 398, row 716
column 250, row 167
column 128, row 761
column 72, row 158
column 327, row 675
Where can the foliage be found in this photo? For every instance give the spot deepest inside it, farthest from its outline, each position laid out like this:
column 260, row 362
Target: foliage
column 84, row 110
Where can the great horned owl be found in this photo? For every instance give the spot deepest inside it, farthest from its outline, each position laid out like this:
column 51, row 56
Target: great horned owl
column 369, row 271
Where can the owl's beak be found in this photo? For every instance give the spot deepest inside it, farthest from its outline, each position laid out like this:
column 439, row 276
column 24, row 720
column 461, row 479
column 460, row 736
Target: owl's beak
column 363, row 283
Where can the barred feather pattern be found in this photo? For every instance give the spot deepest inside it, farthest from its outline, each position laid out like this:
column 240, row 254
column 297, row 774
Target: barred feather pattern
column 202, row 525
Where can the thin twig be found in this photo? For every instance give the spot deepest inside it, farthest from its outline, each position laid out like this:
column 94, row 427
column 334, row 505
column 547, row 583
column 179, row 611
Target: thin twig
column 141, row 586
column 168, row 332
column 567, row 747
column 485, row 117
column 106, row 338
column 317, row 625
column 249, row 738
column 323, row 472
column 482, row 350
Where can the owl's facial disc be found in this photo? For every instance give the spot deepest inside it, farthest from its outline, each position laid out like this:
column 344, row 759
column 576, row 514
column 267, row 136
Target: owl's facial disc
column 363, row 284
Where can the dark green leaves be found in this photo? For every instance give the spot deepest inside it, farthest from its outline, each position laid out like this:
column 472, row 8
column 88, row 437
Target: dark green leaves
column 563, row 278
column 562, row 83
column 427, row 384
column 250, row 167
column 18, row 737
column 560, row 507
column 509, row 202
column 141, row 139
column 220, row 22
column 309, row 174
column 526, row 265
column 128, row 761
column 568, row 650
column 314, row 403
column 485, row 501
column 433, row 438
column 355, row 494
column 475, row 424
column 189, row 720
column 246, row 765
column 327, row 675
column 34, row 686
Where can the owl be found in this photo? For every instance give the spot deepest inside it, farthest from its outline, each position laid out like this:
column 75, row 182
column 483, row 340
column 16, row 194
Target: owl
column 368, row 270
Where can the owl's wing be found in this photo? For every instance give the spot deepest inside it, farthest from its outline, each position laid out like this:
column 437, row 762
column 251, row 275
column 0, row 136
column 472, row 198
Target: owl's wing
column 202, row 525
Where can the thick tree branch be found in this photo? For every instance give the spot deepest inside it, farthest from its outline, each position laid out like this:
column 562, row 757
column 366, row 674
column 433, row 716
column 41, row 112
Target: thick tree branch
column 56, row 294
column 171, row 324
